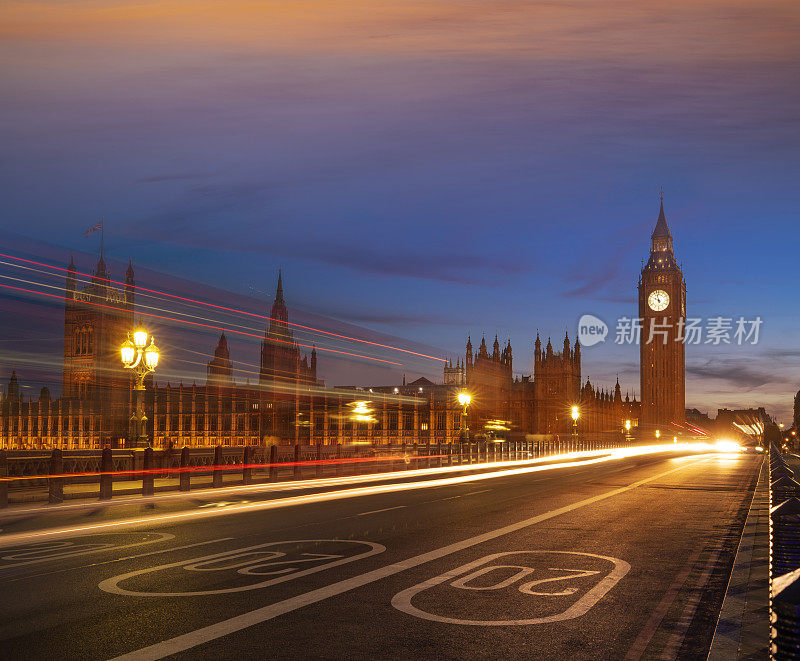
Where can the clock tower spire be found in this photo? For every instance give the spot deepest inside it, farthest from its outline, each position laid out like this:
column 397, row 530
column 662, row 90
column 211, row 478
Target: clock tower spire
column 662, row 309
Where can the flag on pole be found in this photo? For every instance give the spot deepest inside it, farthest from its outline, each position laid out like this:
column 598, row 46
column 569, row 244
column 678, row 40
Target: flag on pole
column 94, row 229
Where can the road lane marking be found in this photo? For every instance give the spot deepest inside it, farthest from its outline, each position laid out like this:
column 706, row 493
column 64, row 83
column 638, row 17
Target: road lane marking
column 385, row 509
column 65, row 550
column 402, row 600
column 212, row 632
column 254, row 558
column 473, row 493
column 123, row 559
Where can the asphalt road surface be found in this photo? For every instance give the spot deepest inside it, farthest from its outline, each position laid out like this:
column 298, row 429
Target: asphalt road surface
column 622, row 559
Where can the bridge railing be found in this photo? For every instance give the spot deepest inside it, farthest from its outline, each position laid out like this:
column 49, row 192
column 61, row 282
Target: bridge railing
column 56, row 475
column 784, row 559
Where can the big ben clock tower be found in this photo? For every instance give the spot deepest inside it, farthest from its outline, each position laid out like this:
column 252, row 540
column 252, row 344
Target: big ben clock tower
column 662, row 309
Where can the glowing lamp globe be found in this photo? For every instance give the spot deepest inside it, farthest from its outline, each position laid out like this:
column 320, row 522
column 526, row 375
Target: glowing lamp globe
column 151, row 356
column 140, row 337
column 464, row 398
column 127, row 351
column 575, row 413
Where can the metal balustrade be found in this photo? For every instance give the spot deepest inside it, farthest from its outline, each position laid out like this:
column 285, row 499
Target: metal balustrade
column 29, row 476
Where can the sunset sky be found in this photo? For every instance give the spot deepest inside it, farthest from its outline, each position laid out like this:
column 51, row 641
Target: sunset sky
column 421, row 170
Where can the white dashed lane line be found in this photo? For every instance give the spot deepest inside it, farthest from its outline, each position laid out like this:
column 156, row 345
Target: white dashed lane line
column 385, row 509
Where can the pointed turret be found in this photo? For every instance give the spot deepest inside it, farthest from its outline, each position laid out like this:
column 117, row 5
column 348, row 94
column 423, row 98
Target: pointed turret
column 130, row 284
column 279, row 316
column 13, row 387
column 567, row 352
column 482, row 350
column 549, row 351
column 496, row 349
column 661, row 238
column 101, row 272
column 70, row 285
column 279, row 290
column 220, row 371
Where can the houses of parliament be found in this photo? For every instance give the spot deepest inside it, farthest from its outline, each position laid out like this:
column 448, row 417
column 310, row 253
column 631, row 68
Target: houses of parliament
column 290, row 404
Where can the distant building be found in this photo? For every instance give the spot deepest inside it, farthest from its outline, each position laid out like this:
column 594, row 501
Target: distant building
column 796, row 422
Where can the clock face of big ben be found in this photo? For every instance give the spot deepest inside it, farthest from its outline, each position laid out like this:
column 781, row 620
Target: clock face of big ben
column 658, row 300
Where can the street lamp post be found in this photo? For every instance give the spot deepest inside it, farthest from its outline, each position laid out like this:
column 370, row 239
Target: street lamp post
column 627, row 431
column 575, row 415
column 658, row 434
column 464, row 399
column 142, row 359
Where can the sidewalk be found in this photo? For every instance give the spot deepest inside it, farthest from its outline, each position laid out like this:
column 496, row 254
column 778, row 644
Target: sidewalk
column 743, row 628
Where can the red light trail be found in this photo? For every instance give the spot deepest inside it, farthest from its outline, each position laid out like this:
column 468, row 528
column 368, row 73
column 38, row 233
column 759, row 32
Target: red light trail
column 234, row 310
column 210, row 326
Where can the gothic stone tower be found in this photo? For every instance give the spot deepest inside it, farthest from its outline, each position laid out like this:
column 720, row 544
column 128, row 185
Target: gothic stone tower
column 97, row 318
column 662, row 309
column 556, row 385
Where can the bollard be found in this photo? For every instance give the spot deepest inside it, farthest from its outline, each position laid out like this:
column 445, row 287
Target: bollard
column 247, row 464
column 148, row 481
column 428, row 454
column 440, row 460
column 216, row 473
column 3, row 479
column 318, row 471
column 413, row 454
column 184, row 478
column 56, row 484
column 450, row 448
column 273, row 463
column 296, row 470
column 339, row 463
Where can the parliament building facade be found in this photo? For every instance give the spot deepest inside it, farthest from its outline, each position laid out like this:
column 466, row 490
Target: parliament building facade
column 289, row 404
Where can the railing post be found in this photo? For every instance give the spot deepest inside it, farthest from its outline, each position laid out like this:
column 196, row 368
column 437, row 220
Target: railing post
column 413, row 454
column 184, row 477
column 273, row 463
column 216, row 473
column 428, row 454
column 296, row 471
column 148, row 479
column 339, row 463
column 56, row 484
column 318, row 471
column 440, row 458
column 247, row 464
column 3, row 478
